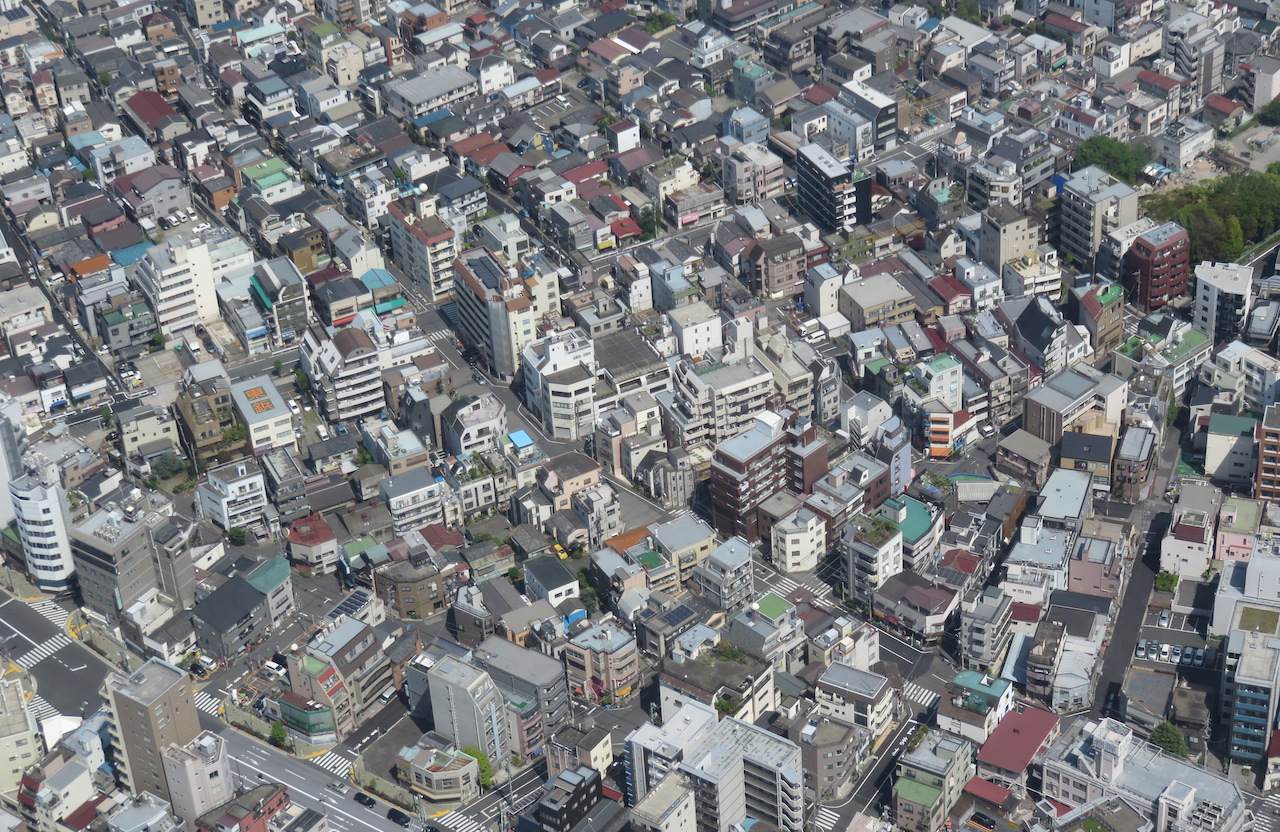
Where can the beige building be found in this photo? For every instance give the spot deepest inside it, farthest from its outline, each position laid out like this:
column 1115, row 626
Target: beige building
column 148, row 710
column 19, row 742
column 603, row 663
column 876, row 301
column 199, row 775
column 686, row 541
column 146, row 430
column 265, row 415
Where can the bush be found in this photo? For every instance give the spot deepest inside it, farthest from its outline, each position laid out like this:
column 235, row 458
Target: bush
column 1270, row 114
column 1166, row 582
column 486, row 767
column 279, row 736
column 169, row 465
column 1121, row 160
column 236, row 535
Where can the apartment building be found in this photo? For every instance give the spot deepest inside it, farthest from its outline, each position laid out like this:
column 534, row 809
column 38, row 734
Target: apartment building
column 775, row 267
column 652, row 752
column 345, row 375
column 536, row 690
column 1197, row 51
column 1006, row 234
column 1224, row 296
column 20, row 740
column 930, row 781
column 198, row 774
column 345, row 670
column 1156, row 266
column 1093, row 204
column 283, row 297
column 739, row 771
column 779, row 453
column 985, row 629
column 418, row 498
column 873, row 553
column 500, row 307
column 750, row 173
column 148, row 710
column 234, row 495
column 560, row 383
column 469, row 709
column 832, row 193
column 799, row 541
column 724, row 577
column 857, row 697
column 425, row 247
column 880, row 301
column 880, row 109
column 179, row 277
column 713, row 400
column 603, row 664
column 1268, row 475
column 1078, row 398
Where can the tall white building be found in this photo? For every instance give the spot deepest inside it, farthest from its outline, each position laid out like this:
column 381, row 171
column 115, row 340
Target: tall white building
column 652, row 752
column 13, row 444
column 40, row 515
column 469, row 709
column 1224, row 295
column 234, row 495
column 739, row 771
column 179, row 277
column 560, row 383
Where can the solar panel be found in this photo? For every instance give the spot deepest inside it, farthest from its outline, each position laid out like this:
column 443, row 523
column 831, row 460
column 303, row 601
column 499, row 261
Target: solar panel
column 677, row 615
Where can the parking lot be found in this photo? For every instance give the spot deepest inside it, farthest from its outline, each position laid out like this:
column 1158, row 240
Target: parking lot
column 1176, row 636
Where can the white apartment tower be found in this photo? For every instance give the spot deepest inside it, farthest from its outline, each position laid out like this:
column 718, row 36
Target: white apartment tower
column 180, row 276
column 469, row 709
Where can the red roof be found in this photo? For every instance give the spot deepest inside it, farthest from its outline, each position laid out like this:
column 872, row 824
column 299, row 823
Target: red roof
column 820, row 94
column 85, row 815
column 150, row 107
column 1017, row 739
column 546, row 76
column 311, row 531
column 987, row 791
column 962, row 561
column 591, row 170
column 948, row 288
column 1164, row 82
column 1273, row 747
column 1021, row 611
column 1222, row 104
column 1064, row 23
column 441, row 538
column 625, row 228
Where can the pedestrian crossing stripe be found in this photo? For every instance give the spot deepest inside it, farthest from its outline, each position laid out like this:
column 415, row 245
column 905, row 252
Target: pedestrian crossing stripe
column 440, row 335
column 207, row 702
column 42, row 651
column 40, row 709
column 51, row 612
column 460, row 823
column 332, row 762
column 917, row 693
column 825, row 818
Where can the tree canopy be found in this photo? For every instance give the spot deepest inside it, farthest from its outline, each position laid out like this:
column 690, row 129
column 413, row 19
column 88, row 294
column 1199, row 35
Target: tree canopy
column 1270, row 114
column 1224, row 215
column 1167, row 736
column 1121, row 160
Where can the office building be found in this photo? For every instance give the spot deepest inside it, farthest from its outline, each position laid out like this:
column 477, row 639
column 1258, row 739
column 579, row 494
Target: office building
column 345, row 670
column 651, row 752
column 148, row 710
column 1224, row 295
column 469, row 709
column 41, row 521
column 603, row 664
column 283, row 296
column 501, row 306
column 265, row 414
column 832, row 193
column 1094, row 203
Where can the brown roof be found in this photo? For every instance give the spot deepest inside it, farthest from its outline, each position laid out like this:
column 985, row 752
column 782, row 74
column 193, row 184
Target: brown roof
column 349, row 339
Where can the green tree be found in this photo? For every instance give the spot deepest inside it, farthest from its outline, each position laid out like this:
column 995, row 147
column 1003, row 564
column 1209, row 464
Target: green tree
column 105, row 415
column 1270, row 114
column 233, row 435
column 304, row 380
column 708, row 171
column 1119, row 159
column 648, row 220
column 1166, row 582
column 236, row 535
column 969, row 10
column 513, row 574
column 277, row 367
column 167, row 465
column 659, row 21
column 1166, row 735
column 482, row 761
column 157, row 341
column 590, row 600
column 279, row 736
column 1233, row 245
column 104, row 79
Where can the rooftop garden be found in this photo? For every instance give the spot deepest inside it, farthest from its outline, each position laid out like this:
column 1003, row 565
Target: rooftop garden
column 877, row 532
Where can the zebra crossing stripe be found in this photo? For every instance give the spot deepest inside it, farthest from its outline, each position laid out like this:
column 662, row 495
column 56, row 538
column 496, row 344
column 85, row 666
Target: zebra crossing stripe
column 461, row 823
column 332, row 762
column 51, row 612
column 42, row 651
column 825, row 818
column 40, row 709
column 207, row 702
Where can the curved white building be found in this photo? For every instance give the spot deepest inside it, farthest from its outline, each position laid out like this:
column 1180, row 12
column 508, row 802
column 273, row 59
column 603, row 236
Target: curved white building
column 41, row 518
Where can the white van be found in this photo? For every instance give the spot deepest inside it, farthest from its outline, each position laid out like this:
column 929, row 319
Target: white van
column 387, row 695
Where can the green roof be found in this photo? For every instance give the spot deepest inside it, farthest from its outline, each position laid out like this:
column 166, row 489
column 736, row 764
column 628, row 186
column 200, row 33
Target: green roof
column 917, row 793
column 1243, row 515
column 359, row 546
column 265, row 168
column 972, row 680
column 1224, row 425
column 1192, row 341
column 774, row 606
column 649, row 559
column 270, row 575
column 116, row 316
column 918, row 520
column 942, row 362
column 1111, row 294
column 876, row 366
column 325, row 29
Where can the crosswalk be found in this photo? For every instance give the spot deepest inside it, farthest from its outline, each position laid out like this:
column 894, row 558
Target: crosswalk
column 40, row 709
column 207, row 702
column 332, row 762
column 1266, row 820
column 825, row 819
column 919, row 694
column 439, row 335
column 52, row 612
column 459, row 822
column 788, row 585
column 42, row 651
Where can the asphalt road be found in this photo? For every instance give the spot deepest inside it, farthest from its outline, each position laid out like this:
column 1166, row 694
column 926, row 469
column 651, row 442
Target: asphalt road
column 68, row 677
column 1151, row 517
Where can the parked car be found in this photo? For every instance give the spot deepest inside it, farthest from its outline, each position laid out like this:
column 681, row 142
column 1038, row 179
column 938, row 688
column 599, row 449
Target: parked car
column 365, row 800
column 1188, row 655
column 1177, row 654
column 1198, row 661
column 397, row 816
column 1164, row 652
column 1141, row 650
column 1164, row 618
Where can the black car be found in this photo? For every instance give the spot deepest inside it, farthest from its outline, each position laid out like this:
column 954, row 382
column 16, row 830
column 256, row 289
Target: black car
column 397, row 816
column 364, row 799
column 980, row 821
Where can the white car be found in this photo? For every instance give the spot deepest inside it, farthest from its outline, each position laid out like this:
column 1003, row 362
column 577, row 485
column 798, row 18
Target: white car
column 202, row 227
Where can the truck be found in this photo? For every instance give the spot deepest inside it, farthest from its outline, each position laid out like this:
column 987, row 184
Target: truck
column 192, row 342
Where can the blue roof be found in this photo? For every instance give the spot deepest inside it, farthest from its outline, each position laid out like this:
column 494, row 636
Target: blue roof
column 432, row 117
column 91, row 138
column 930, row 24
column 377, row 279
column 132, row 254
column 520, row 439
